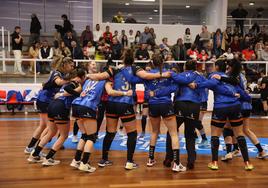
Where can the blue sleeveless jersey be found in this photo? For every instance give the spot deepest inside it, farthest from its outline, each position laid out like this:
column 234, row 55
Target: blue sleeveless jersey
column 91, row 94
column 46, row 95
column 120, row 83
column 158, row 84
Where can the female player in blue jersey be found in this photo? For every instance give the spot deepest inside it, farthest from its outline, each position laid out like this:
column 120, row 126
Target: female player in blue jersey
column 235, row 77
column 58, row 116
column 122, row 107
column 84, row 109
column 226, row 108
column 50, row 88
column 162, row 107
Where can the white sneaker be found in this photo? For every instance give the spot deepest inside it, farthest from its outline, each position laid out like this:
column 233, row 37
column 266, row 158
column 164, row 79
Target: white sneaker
column 22, row 73
column 131, row 166
column 74, row 139
column 75, row 163
column 86, row 167
column 35, row 159
column 50, row 162
column 236, row 153
column 178, row 167
column 151, row 162
column 28, row 150
column 227, row 157
column 262, row 155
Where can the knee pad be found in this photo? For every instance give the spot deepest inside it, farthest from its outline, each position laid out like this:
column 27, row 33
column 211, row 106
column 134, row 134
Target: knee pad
column 84, row 137
column 227, row 132
column 91, row 137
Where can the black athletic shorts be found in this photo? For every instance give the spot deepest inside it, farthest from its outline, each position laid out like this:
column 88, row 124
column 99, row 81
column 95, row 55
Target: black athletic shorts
column 58, row 111
column 187, row 109
column 232, row 114
column 123, row 111
column 42, row 107
column 79, row 111
column 264, row 95
column 204, row 106
column 246, row 113
column 161, row 110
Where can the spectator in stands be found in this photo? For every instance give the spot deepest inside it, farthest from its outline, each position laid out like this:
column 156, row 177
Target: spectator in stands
column 137, row 37
column 67, row 26
column 123, row 38
column 150, row 51
column 235, row 45
column 192, row 53
column 202, row 56
column 118, row 18
column 228, row 54
column 146, row 36
column 34, row 30
column 209, row 50
column 116, row 49
column 264, row 53
column 125, row 41
column 179, row 50
column 86, row 36
column 102, row 49
column 239, row 13
column 164, row 47
column 187, row 38
column 68, row 38
column 263, row 35
column 205, row 36
column 152, row 40
column 63, row 51
column 131, row 38
column 258, row 49
column 115, row 35
column 97, row 34
column 248, row 52
column 77, row 52
column 89, row 50
column 246, row 42
column 218, row 43
column 142, row 53
column 46, row 52
column 227, row 37
column 34, row 53
column 17, row 42
column 130, row 19
column 107, row 35
column 237, row 32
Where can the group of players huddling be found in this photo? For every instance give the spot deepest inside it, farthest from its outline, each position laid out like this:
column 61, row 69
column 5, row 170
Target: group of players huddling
column 84, row 90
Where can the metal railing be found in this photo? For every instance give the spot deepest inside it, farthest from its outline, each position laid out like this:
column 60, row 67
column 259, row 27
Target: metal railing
column 248, row 22
column 117, row 62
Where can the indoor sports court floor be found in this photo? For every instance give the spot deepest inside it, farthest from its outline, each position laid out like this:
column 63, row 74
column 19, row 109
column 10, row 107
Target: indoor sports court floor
column 15, row 171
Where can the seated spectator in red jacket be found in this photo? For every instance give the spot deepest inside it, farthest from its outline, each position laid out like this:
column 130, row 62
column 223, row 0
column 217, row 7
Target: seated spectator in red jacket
column 235, row 45
column 248, row 52
column 203, row 56
column 192, row 53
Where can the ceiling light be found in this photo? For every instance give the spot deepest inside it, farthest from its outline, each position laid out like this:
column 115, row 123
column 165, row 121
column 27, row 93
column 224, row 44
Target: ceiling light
column 251, row 3
column 127, row 4
column 155, row 10
column 150, row 18
column 187, row 6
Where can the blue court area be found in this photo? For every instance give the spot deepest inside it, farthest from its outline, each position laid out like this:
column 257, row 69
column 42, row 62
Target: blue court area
column 120, row 144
